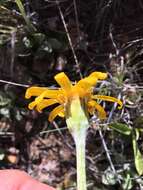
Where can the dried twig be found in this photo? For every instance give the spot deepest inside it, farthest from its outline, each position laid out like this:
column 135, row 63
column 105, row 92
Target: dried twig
column 14, row 83
column 69, row 38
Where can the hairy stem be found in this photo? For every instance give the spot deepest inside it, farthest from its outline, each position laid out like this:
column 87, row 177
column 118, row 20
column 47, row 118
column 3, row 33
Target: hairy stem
column 77, row 123
column 80, row 161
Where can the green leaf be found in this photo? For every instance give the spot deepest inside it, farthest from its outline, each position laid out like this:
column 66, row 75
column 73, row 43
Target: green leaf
column 56, row 44
column 39, row 38
column 121, row 128
column 46, row 47
column 138, row 157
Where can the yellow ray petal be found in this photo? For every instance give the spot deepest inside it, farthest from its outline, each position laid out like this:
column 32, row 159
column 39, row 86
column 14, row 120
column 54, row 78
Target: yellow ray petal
column 53, row 94
column 32, row 105
column 91, row 80
column 87, row 82
column 56, row 111
column 92, row 105
column 45, row 103
column 61, row 114
column 99, row 75
column 37, row 91
column 109, row 98
column 63, row 81
column 34, row 91
column 38, row 101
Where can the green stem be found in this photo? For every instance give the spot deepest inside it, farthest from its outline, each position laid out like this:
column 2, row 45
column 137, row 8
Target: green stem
column 77, row 123
column 80, row 159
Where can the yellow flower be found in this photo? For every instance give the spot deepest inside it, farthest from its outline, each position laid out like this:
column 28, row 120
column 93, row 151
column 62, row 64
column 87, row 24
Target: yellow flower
column 68, row 92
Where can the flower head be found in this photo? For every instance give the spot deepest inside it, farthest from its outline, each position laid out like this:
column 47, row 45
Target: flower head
column 68, row 92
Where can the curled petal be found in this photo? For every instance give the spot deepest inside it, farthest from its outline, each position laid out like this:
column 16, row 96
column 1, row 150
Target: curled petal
column 110, row 99
column 61, row 114
column 99, row 75
column 87, row 82
column 34, row 91
column 91, row 80
column 56, row 111
column 40, row 98
column 41, row 91
column 45, row 103
column 53, row 94
column 63, row 81
column 92, row 105
column 32, row 105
